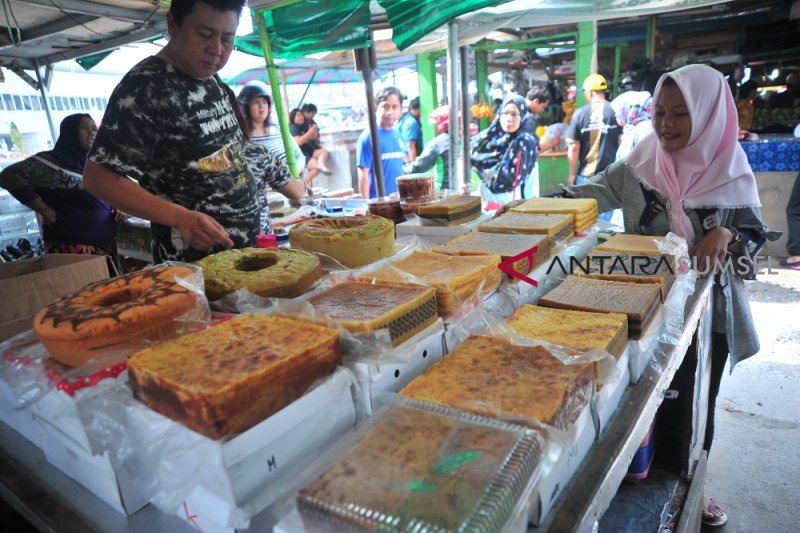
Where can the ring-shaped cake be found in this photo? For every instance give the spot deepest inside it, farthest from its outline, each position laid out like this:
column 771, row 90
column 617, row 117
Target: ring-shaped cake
column 268, row 272
column 114, row 314
column 353, row 241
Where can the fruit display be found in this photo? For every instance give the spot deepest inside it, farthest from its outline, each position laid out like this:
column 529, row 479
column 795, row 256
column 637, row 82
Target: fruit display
column 786, row 116
column 482, row 110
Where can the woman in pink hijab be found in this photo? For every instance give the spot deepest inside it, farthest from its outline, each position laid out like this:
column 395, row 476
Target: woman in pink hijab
column 691, row 177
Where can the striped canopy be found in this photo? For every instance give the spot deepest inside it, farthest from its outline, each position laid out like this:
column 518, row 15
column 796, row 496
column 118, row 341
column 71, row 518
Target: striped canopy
column 303, row 70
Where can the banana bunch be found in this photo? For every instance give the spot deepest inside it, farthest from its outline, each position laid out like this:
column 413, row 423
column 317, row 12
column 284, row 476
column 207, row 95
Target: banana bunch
column 746, row 114
column 569, row 107
column 482, row 110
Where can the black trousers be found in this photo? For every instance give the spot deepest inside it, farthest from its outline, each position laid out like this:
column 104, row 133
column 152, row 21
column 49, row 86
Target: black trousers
column 793, row 219
column 719, row 356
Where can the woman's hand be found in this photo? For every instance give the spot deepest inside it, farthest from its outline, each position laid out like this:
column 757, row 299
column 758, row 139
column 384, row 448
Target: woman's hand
column 710, row 252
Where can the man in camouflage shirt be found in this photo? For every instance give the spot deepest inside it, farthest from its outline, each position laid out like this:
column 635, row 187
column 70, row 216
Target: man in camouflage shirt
column 170, row 125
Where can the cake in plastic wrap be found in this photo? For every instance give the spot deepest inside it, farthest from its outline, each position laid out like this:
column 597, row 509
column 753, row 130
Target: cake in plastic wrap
column 229, row 377
column 580, row 330
column 630, row 268
column 557, row 227
column 455, row 278
column 583, row 210
column 640, row 301
column 425, row 468
column 632, row 244
column 367, row 307
column 490, row 376
column 454, row 210
column 506, row 245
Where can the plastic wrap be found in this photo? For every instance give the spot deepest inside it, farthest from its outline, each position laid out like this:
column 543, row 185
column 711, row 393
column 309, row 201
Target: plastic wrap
column 26, row 366
column 479, row 277
column 684, row 285
column 519, row 382
column 173, row 466
column 427, row 467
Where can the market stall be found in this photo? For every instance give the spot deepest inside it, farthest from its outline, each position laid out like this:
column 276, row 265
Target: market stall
column 586, row 476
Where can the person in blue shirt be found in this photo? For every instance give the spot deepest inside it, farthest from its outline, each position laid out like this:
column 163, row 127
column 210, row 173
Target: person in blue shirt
column 391, row 146
column 411, row 130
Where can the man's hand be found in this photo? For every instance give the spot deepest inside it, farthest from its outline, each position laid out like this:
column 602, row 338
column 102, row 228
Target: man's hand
column 202, row 232
column 711, row 250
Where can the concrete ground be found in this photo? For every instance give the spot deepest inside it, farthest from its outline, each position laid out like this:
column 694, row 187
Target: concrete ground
column 754, row 465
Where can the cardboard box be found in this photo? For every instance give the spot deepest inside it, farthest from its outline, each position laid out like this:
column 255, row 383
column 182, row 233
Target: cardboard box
column 31, row 284
column 421, row 350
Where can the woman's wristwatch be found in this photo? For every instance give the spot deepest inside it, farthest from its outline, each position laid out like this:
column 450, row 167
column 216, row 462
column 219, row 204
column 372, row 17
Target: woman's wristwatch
column 734, row 235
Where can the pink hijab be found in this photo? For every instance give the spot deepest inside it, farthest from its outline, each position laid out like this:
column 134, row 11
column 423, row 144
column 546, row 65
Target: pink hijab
column 712, row 169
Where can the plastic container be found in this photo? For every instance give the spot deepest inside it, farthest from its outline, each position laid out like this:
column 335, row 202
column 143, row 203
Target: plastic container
column 417, row 466
column 387, row 207
column 268, row 240
column 411, row 207
column 643, row 458
column 416, row 186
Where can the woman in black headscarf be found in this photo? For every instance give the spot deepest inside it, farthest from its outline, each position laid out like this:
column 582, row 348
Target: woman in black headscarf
column 51, row 183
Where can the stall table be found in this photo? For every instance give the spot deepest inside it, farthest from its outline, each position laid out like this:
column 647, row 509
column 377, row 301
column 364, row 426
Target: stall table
column 53, row 502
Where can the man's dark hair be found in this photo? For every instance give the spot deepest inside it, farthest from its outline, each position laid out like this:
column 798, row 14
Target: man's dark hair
column 181, row 8
column 309, row 108
column 414, row 104
column 540, row 92
column 386, row 92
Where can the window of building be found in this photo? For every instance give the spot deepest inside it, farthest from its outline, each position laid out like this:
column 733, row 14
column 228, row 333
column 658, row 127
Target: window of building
column 37, row 103
column 8, row 101
column 26, row 102
column 59, row 104
column 85, row 103
column 72, row 103
column 17, row 102
column 2, row 104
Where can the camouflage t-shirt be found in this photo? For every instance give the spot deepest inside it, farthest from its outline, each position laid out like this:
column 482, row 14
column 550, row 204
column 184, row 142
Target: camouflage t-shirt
column 179, row 138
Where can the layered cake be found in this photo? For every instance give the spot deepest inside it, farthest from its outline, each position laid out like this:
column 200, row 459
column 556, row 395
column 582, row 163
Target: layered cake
column 456, row 278
column 268, row 272
column 639, row 301
column 453, row 210
column 414, row 469
column 225, row 379
column 583, row 210
column 632, row 244
column 505, row 245
column 580, row 330
column 557, row 227
column 353, row 241
column 367, row 307
column 490, row 376
column 631, row 268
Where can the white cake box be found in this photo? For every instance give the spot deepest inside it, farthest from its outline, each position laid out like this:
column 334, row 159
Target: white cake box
column 421, row 350
column 553, row 482
column 20, row 420
column 607, row 399
column 438, row 233
column 641, row 351
column 95, row 472
column 242, row 476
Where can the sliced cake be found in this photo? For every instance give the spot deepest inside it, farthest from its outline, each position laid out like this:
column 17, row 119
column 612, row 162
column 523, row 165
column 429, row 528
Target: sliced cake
column 583, row 210
column 505, row 245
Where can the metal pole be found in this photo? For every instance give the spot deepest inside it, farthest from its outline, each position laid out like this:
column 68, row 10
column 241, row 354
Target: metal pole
column 308, row 86
column 280, row 109
column 46, row 102
column 377, row 162
column 465, row 121
column 453, row 87
column 284, row 87
column 482, row 79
